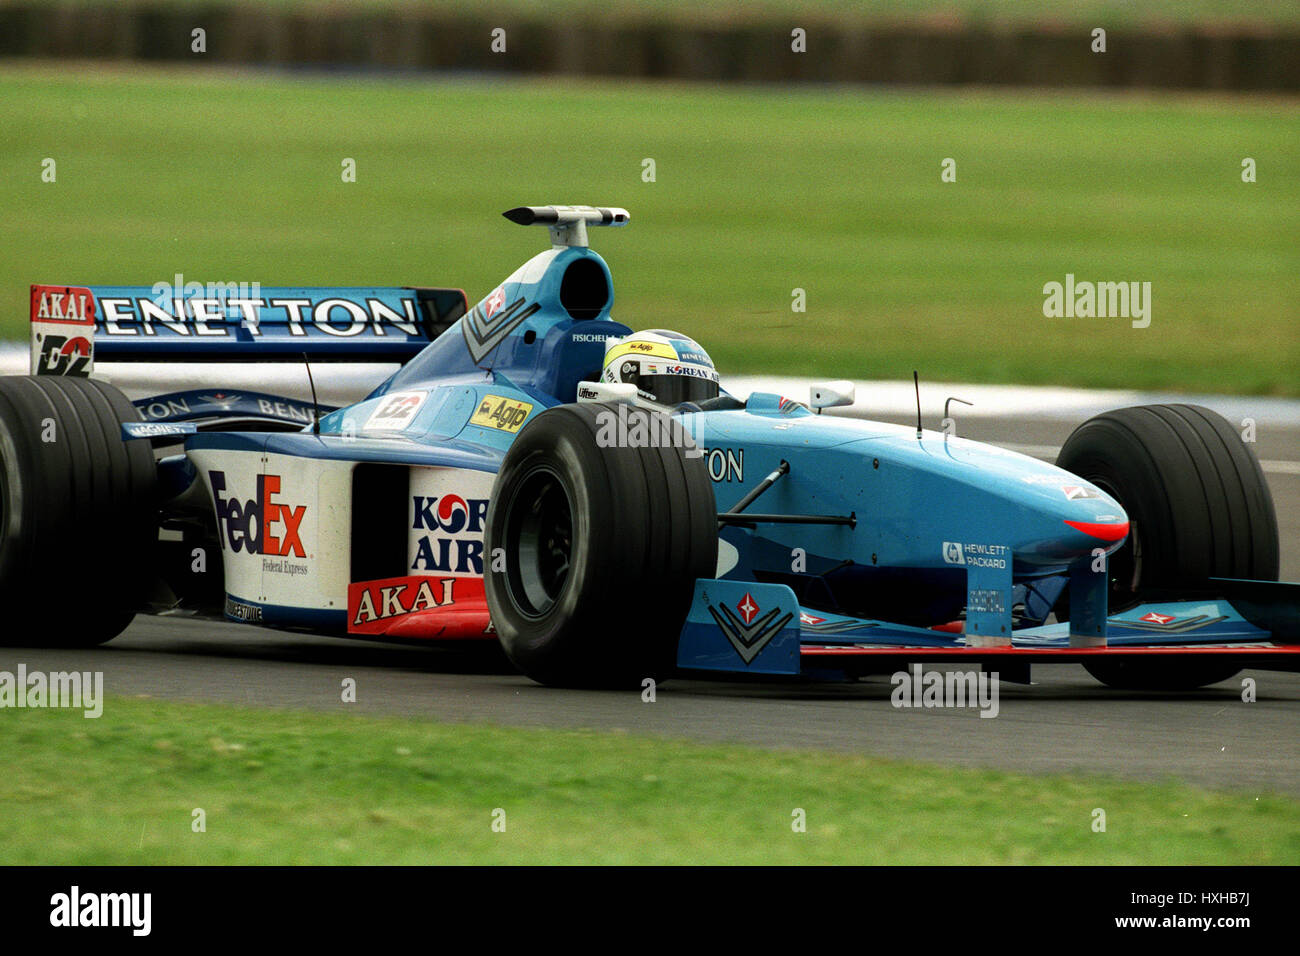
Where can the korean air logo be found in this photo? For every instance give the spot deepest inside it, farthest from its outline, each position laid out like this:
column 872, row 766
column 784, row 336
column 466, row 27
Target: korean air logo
column 454, row 543
column 450, row 513
column 693, row 372
column 952, row 553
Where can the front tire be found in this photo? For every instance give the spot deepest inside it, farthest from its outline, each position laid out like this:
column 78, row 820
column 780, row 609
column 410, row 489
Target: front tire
column 1198, row 505
column 593, row 547
column 77, row 512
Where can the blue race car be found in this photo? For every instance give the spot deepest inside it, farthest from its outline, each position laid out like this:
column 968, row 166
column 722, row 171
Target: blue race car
column 538, row 474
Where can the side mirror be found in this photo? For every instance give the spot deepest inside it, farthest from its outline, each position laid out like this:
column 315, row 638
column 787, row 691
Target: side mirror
column 831, row 394
column 606, row 392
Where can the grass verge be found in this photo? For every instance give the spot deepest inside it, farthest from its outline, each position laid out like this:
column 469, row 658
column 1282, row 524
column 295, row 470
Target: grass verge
column 284, row 787
column 226, row 177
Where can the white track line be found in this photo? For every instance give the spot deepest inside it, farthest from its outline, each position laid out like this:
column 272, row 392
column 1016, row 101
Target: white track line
column 877, row 399
column 342, row 383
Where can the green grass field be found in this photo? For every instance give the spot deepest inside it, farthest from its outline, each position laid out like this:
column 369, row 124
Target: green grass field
column 237, row 177
column 1106, row 13
column 279, row 787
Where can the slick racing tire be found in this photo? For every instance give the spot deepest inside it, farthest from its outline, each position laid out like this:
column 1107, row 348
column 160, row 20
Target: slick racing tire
column 594, row 547
column 77, row 512
column 1198, row 507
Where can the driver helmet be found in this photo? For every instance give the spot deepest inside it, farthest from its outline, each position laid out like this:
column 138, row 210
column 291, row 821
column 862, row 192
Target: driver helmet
column 666, row 367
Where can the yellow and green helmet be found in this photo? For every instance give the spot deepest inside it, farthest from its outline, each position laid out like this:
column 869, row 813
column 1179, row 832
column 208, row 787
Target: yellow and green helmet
column 666, row 367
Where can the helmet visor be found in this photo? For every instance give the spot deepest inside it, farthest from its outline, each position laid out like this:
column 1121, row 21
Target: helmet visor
column 675, row 389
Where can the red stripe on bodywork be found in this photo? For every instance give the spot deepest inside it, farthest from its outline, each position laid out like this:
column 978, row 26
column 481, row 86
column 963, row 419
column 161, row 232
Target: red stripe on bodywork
column 1046, row 653
column 1105, row 532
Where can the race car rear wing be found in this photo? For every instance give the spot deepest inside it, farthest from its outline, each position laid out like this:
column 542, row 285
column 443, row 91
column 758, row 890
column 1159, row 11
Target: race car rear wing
column 72, row 326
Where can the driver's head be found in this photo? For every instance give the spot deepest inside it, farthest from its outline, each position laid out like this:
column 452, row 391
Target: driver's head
column 667, row 368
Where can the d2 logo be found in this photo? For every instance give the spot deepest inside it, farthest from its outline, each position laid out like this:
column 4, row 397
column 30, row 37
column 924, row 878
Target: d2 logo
column 399, row 408
column 396, row 411
column 64, row 355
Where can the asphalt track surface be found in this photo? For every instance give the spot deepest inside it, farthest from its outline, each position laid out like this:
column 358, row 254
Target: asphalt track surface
column 1064, row 722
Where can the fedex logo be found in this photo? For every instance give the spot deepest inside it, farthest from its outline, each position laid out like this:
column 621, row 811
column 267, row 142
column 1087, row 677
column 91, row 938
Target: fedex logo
column 458, row 545
column 260, row 525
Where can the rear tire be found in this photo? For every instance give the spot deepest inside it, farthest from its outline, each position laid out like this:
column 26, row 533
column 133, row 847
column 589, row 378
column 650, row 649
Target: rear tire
column 77, row 512
column 1199, row 507
column 600, row 548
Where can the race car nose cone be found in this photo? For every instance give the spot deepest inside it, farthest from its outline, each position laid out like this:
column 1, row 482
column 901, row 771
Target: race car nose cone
column 1073, row 530
column 1102, row 530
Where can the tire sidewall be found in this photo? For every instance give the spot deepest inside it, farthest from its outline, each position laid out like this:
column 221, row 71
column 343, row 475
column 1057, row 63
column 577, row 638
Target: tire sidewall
column 638, row 544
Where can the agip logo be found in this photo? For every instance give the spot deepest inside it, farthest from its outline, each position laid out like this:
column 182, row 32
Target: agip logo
column 504, row 414
column 261, row 524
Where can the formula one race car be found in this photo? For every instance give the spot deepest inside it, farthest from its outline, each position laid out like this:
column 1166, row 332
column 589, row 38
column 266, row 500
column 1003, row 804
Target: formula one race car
column 539, row 474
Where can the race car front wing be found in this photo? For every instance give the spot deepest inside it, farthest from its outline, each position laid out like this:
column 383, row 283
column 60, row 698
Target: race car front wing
column 755, row 628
